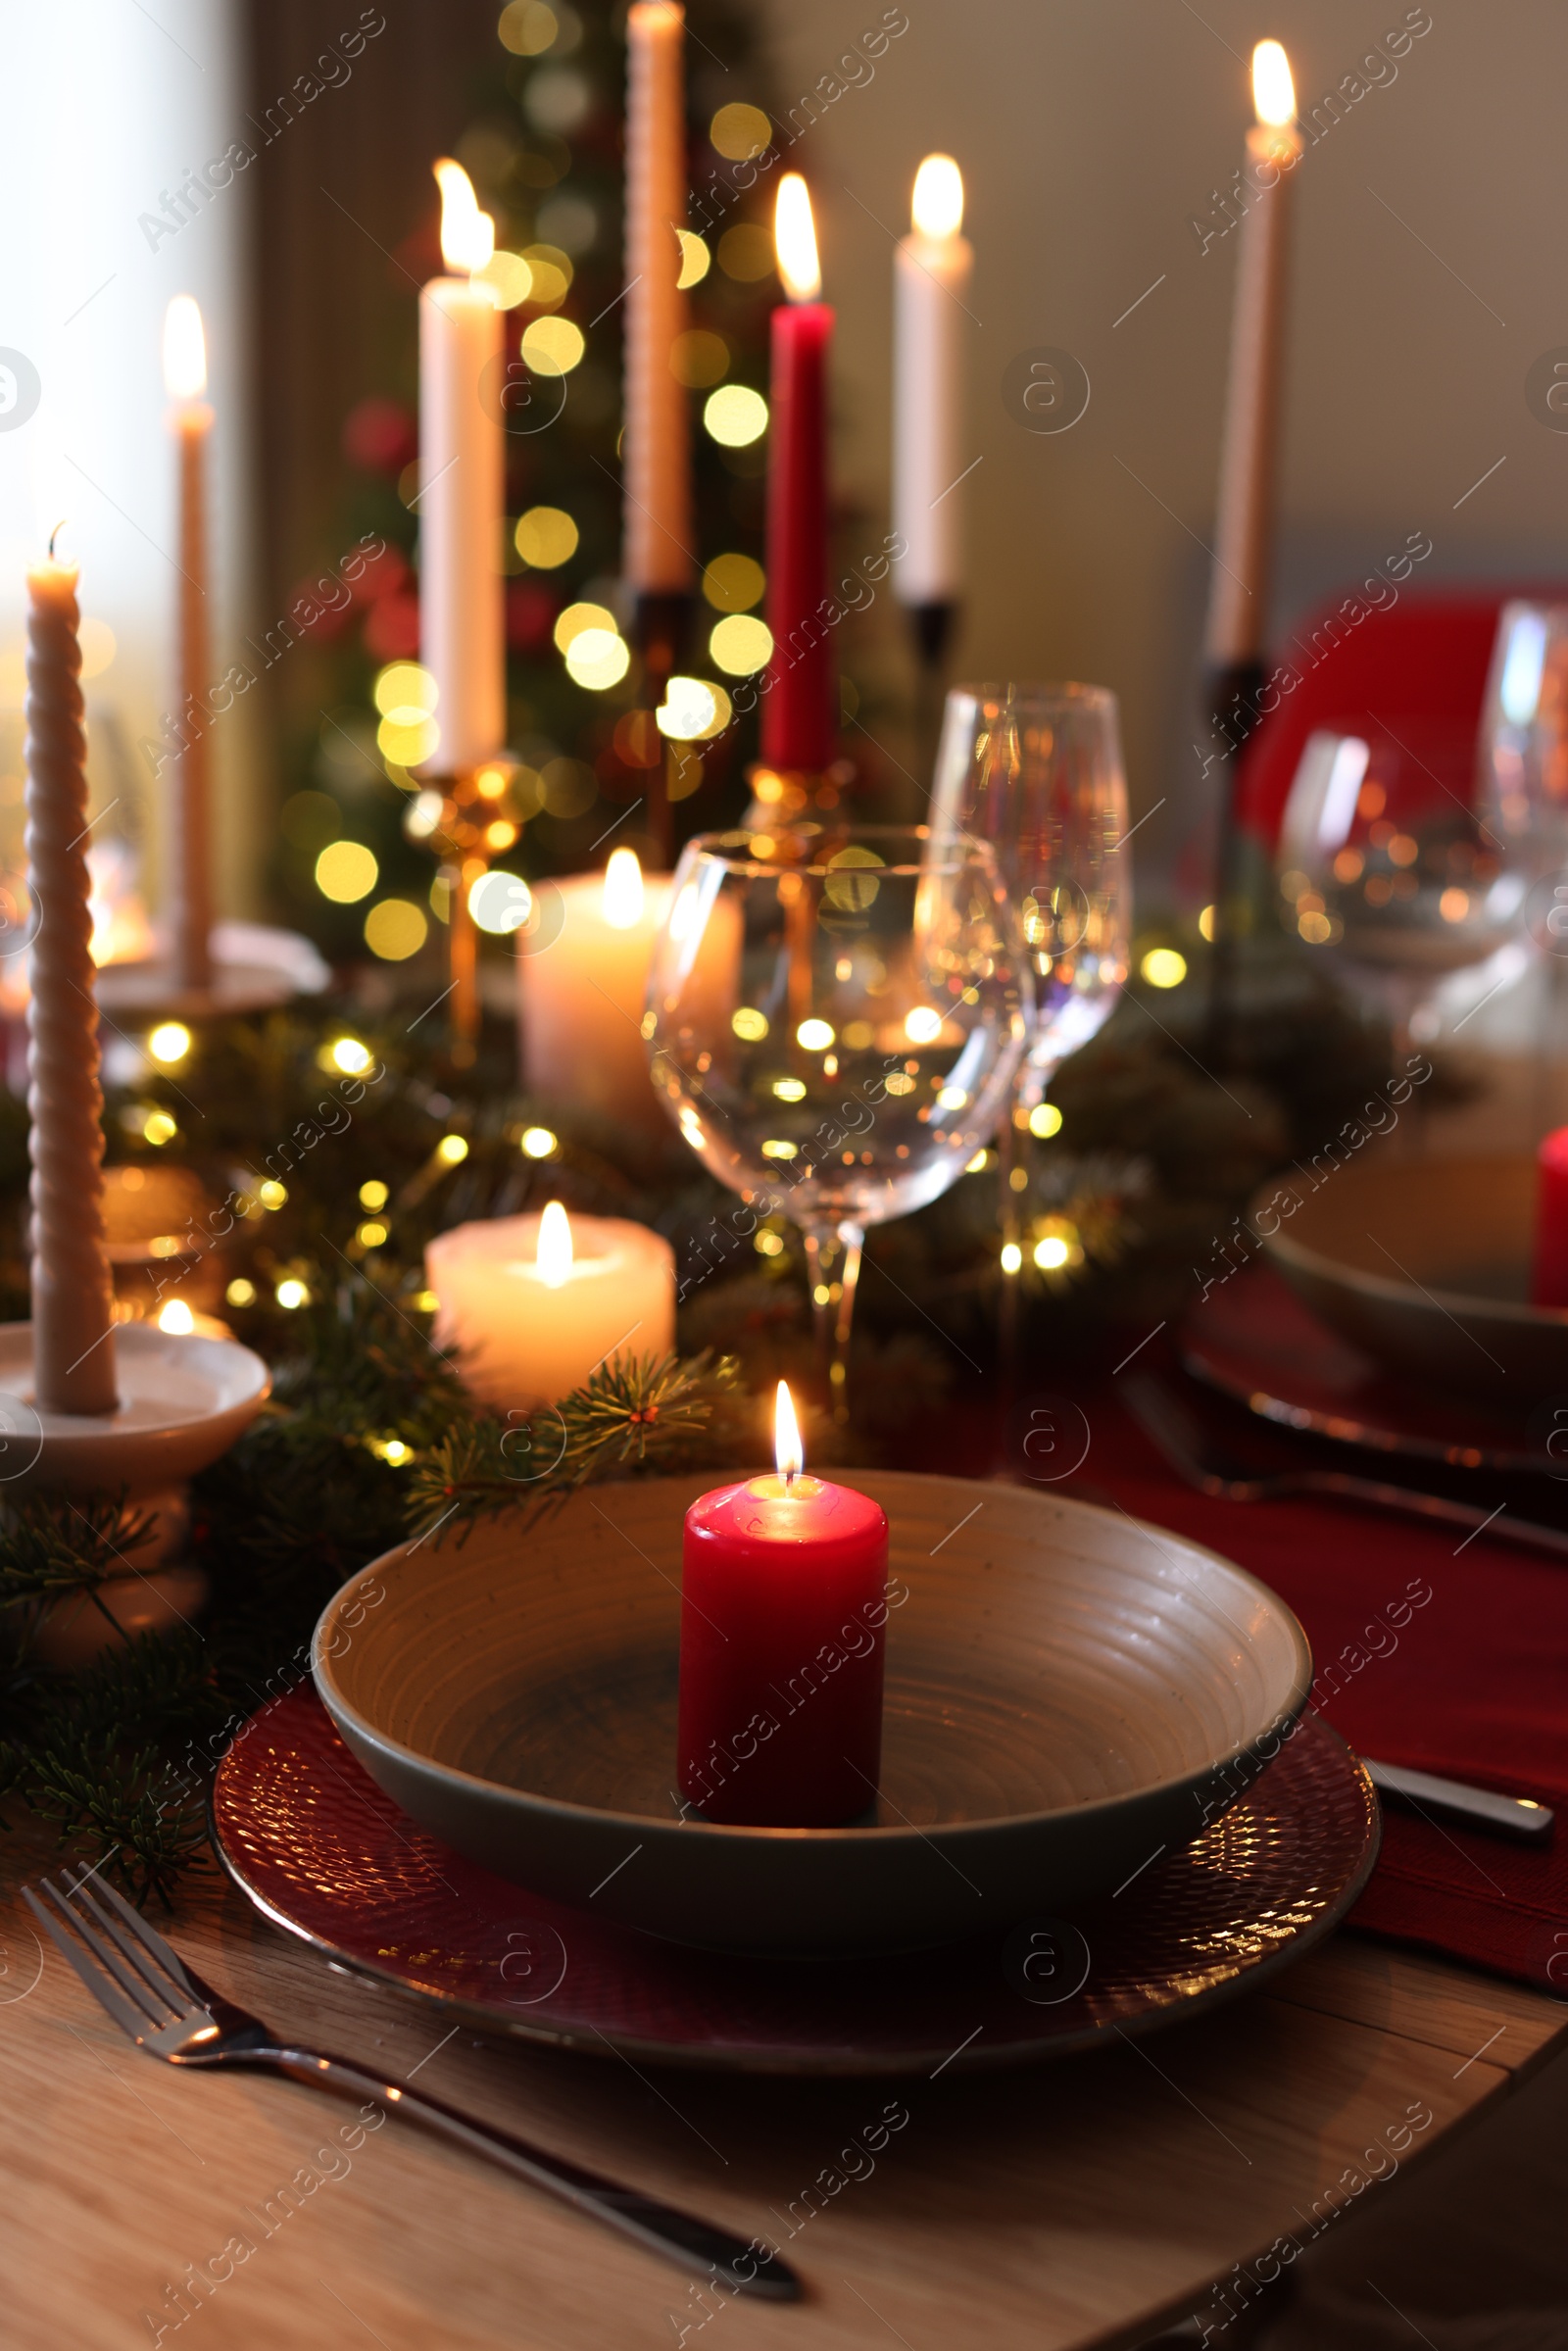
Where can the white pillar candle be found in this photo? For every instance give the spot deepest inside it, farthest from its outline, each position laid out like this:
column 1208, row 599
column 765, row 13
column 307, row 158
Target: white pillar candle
column 462, row 488
column 72, row 1337
column 533, row 1305
column 582, row 994
column 1238, row 610
column 930, row 276
column 655, row 451
column 189, row 894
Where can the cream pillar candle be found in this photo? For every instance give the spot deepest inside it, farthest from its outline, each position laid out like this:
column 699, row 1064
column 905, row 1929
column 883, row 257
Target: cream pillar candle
column 1237, row 611
column 582, row 996
column 930, row 276
column 462, row 488
column 533, row 1305
column 73, row 1339
column 189, row 894
column 656, row 452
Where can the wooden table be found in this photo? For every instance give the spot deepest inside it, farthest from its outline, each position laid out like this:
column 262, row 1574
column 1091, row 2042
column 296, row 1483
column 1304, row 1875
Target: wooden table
column 1083, row 2202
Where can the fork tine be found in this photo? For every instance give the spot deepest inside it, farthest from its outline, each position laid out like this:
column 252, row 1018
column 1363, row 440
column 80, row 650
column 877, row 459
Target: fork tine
column 183, row 1973
column 97, row 1983
column 134, row 1987
column 141, row 1956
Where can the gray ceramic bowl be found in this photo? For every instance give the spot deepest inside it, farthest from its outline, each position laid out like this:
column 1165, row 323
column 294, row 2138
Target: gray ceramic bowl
column 1425, row 1266
column 1068, row 1691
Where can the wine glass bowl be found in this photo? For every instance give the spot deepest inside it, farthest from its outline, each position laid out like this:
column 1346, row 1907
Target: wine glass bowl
column 1388, row 865
column 1037, row 771
column 835, row 1013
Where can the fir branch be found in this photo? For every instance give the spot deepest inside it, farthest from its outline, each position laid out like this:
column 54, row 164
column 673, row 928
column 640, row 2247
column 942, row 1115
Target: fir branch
column 634, row 1415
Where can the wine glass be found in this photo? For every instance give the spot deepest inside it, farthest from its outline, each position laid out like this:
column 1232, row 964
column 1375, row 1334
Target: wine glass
column 835, row 1013
column 1523, row 784
column 1037, row 772
column 1387, row 864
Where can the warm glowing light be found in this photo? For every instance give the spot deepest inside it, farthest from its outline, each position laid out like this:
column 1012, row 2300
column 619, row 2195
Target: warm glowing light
column 938, row 206
column 1052, row 1252
column 452, row 1149
column 735, row 416
column 789, row 1090
column 815, row 1036
column 271, row 1194
column 185, row 350
column 467, row 235
column 159, row 1128
column 170, row 1041
column 405, row 691
column 546, row 536
column 1163, row 967
column 553, row 1254
column 1011, row 1256
column 350, row 1056
column 373, row 1195
column 741, row 644
column 795, row 240
column 788, row 1451
column 748, row 1024
column 1044, row 1120
column 500, row 902
column 598, row 659
column 175, row 1316
column 537, row 1142
column 291, row 1295
column 695, row 259
column 688, row 711
column 346, row 871
column 240, row 1293
column 624, row 890
column 922, row 1026
column 1273, row 91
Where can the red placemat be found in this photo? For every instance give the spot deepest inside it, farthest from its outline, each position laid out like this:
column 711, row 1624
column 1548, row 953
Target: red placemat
column 1446, row 1654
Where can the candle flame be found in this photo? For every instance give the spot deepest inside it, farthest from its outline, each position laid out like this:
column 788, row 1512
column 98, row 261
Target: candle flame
column 467, row 235
column 553, row 1257
column 788, row 1451
column 1273, row 91
column 624, row 890
column 795, row 240
column 185, row 350
column 938, row 206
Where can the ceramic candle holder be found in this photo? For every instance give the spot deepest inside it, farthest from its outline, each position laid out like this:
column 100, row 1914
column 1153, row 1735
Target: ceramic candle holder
column 182, row 1402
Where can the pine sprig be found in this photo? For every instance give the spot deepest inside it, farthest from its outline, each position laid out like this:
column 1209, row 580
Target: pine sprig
column 635, row 1415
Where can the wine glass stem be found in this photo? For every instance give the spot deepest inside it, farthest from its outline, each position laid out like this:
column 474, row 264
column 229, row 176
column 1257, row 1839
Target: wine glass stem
column 833, row 1261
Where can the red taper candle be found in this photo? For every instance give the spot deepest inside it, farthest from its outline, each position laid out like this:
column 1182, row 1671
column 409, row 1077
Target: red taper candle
column 800, row 709
column 783, row 1604
column 1548, row 1280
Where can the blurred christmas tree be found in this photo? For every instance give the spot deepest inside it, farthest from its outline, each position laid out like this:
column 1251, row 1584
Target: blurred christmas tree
column 544, row 149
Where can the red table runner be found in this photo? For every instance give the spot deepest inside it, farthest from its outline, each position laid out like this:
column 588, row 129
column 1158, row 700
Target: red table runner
column 1444, row 1654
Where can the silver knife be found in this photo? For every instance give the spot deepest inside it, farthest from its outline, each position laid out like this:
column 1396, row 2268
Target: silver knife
column 1477, row 1807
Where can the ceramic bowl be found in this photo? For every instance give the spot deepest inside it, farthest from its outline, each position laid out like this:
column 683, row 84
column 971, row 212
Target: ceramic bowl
column 1069, row 1693
column 1425, row 1266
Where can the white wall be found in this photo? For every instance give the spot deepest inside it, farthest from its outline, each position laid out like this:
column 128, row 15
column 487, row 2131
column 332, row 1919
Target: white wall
column 106, row 105
column 1089, row 130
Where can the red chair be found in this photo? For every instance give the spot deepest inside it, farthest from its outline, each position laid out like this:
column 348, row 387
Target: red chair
column 1424, row 660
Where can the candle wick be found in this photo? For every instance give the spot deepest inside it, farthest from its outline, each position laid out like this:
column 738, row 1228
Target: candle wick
column 54, row 535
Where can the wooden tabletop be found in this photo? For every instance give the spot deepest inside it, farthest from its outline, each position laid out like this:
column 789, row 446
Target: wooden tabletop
column 1077, row 2203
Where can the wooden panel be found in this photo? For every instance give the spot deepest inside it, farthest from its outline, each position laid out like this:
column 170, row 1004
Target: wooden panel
column 1429, row 1999
column 1060, row 2206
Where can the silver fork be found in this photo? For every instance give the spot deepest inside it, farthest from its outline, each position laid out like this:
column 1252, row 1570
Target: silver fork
column 159, row 1999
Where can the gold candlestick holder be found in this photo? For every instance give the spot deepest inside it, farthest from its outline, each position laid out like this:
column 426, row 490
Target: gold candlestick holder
column 478, row 819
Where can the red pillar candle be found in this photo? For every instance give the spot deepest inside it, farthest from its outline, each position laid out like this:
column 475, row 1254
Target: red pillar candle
column 1548, row 1281
column 783, row 1604
column 800, row 709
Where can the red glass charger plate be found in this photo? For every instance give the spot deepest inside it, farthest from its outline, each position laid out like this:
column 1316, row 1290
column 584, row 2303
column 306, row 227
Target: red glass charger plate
column 320, row 1851
column 1255, row 1341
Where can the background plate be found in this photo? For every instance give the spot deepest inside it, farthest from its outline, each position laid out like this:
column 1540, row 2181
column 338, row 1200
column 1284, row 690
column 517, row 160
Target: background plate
column 1254, row 1339
column 320, row 1851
